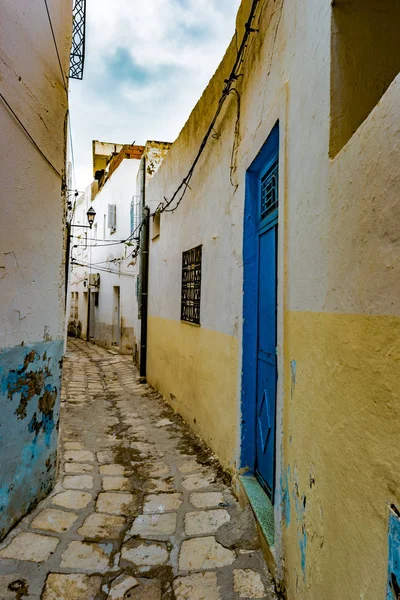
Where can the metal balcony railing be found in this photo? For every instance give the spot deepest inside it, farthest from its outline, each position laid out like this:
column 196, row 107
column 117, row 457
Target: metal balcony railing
column 77, row 58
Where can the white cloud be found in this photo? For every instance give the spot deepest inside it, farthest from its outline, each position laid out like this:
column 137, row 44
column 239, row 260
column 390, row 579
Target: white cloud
column 147, row 63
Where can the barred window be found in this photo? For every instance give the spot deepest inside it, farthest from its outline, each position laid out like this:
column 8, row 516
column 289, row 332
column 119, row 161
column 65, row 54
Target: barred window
column 191, row 285
column 269, row 190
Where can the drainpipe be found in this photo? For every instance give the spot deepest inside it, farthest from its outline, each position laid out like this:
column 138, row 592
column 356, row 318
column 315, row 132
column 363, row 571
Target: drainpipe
column 144, row 271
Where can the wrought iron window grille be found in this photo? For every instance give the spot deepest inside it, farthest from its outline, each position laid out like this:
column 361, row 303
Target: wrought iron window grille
column 191, row 285
column 77, row 57
column 269, row 190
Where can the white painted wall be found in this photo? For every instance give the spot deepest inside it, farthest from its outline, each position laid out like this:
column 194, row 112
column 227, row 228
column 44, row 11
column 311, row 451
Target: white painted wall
column 32, row 203
column 104, row 252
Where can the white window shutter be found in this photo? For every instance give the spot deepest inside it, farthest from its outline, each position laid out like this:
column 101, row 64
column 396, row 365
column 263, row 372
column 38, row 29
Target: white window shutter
column 112, row 216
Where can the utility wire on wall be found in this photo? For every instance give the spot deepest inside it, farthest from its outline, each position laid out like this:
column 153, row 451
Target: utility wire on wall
column 234, row 75
column 16, row 117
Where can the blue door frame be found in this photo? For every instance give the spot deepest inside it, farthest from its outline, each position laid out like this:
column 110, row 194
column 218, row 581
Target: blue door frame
column 259, row 234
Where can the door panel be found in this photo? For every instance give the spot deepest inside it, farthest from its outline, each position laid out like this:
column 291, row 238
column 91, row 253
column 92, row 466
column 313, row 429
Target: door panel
column 266, row 360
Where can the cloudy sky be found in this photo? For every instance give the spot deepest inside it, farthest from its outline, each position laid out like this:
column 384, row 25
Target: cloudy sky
column 147, row 63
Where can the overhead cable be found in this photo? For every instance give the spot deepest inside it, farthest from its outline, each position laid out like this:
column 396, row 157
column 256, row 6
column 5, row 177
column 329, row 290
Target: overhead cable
column 30, row 137
column 234, row 75
column 55, row 45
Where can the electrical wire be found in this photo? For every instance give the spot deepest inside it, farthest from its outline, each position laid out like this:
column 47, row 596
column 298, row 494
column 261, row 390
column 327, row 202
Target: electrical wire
column 112, row 243
column 234, row 75
column 72, row 149
column 105, row 270
column 55, row 45
column 30, row 137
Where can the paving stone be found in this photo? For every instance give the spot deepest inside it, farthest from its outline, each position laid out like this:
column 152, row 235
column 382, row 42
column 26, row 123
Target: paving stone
column 199, row 586
column 204, row 553
column 248, row 583
column 207, row 521
column 78, row 467
column 120, row 586
column 72, row 499
column 74, row 586
column 98, row 525
column 105, row 456
column 159, row 485
column 158, row 469
column 73, row 446
column 78, row 482
column 148, row 590
column 164, row 423
column 241, row 532
column 113, row 470
column 161, row 503
column 17, row 583
column 79, row 456
column 115, row 483
column 154, row 525
column 147, row 449
column 189, row 466
column 30, row 546
column 206, row 499
column 197, row 482
column 54, row 520
column 142, row 553
column 116, row 503
column 85, row 556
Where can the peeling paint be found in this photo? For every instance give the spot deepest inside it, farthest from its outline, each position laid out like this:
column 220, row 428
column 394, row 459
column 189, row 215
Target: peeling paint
column 293, row 369
column 300, row 503
column 393, row 583
column 286, row 496
column 29, row 404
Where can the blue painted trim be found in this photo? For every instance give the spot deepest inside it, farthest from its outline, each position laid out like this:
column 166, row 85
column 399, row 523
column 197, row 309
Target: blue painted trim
column 261, row 163
column 30, row 379
column 262, row 507
column 393, row 582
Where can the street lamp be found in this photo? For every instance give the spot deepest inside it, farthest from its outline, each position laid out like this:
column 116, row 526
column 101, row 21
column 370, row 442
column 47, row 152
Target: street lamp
column 91, row 213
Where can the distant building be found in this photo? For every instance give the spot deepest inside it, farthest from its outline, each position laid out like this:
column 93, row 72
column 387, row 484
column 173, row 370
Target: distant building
column 103, row 295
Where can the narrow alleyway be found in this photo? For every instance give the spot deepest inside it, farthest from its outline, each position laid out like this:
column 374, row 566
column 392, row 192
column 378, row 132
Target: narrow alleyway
column 138, row 507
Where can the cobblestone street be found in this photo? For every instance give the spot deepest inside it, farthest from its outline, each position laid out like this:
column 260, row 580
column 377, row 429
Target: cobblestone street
column 139, row 505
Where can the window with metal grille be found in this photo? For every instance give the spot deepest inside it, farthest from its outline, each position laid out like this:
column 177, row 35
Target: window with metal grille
column 269, row 189
column 191, row 285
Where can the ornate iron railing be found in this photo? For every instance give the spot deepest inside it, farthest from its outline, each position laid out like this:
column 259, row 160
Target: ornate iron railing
column 77, row 57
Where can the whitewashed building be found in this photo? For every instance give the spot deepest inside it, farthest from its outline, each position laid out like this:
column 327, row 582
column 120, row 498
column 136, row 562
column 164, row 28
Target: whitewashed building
column 104, row 280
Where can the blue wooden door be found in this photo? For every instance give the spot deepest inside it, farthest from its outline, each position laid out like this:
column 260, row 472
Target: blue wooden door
column 266, row 359
column 259, row 366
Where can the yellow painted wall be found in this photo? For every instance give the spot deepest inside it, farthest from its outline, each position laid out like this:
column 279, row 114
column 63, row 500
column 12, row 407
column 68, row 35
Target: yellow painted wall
column 191, row 366
column 342, row 445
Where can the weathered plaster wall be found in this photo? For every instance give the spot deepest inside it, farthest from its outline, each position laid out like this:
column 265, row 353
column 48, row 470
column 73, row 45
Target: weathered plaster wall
column 31, row 249
column 29, row 387
column 338, row 314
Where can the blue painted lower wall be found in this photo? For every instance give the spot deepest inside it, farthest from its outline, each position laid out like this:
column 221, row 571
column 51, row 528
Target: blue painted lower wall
column 30, row 380
column 393, row 584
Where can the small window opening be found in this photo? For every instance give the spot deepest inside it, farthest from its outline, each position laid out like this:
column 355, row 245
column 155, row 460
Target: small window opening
column 269, row 190
column 191, row 285
column 156, row 226
column 365, row 59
